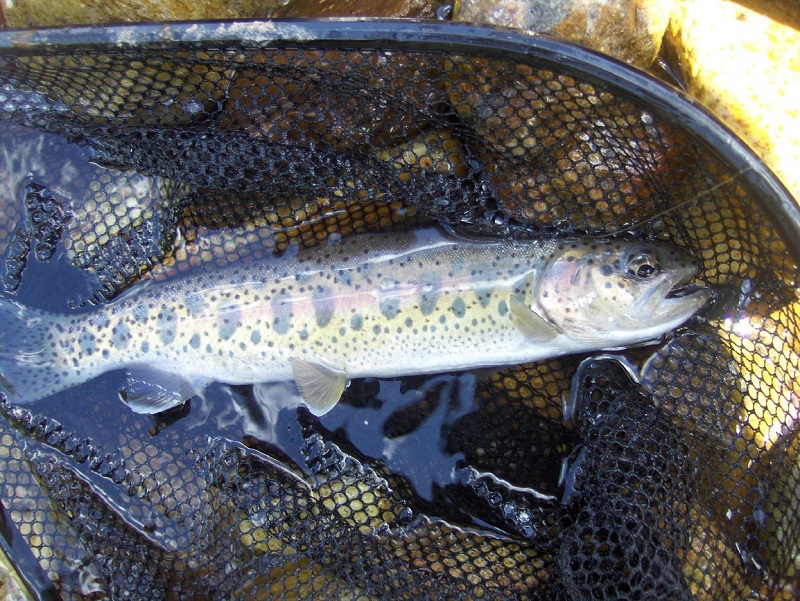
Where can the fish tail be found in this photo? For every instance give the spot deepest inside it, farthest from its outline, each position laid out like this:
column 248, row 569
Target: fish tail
column 29, row 362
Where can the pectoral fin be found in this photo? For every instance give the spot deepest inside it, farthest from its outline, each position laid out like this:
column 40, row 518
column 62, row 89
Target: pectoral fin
column 150, row 390
column 536, row 327
column 320, row 385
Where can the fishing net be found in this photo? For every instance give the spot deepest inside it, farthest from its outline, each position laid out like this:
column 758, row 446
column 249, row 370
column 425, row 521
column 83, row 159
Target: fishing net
column 669, row 471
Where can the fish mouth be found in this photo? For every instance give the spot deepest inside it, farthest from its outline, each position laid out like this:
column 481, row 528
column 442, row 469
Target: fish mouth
column 684, row 290
column 675, row 297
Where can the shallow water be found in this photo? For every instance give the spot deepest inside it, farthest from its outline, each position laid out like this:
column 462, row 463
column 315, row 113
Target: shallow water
column 407, row 426
column 243, row 487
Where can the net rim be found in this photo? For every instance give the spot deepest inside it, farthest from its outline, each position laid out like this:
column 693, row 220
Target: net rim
column 408, row 35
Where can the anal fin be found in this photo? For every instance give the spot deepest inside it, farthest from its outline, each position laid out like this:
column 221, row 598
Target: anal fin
column 320, row 385
column 149, row 390
column 536, row 327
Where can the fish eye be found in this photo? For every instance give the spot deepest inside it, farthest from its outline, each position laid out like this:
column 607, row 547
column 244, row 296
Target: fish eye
column 643, row 266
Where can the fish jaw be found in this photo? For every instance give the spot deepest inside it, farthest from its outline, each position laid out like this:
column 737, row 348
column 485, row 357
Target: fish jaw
column 663, row 311
column 673, row 300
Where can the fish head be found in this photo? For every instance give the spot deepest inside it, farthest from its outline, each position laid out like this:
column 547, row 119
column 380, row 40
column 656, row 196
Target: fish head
column 615, row 293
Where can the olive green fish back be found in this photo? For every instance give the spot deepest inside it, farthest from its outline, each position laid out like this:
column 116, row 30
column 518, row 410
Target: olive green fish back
column 673, row 472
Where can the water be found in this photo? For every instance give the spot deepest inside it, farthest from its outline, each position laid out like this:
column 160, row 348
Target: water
column 484, row 450
column 404, row 427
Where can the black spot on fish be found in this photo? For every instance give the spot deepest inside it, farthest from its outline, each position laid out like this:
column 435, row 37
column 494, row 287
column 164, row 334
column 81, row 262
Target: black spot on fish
column 145, row 346
column 140, row 313
column 324, row 305
column 195, row 303
column 166, row 325
column 194, row 341
column 282, row 309
column 606, row 269
column 228, row 327
column 356, row 321
column 255, row 337
column 120, row 336
column 390, row 307
column 101, row 321
column 459, row 308
column 87, row 342
column 502, row 307
column 484, row 298
column 430, row 287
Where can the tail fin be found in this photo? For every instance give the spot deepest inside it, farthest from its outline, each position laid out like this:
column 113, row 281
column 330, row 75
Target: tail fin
column 28, row 360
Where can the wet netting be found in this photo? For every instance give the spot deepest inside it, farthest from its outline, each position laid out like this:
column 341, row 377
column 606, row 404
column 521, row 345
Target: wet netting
column 670, row 471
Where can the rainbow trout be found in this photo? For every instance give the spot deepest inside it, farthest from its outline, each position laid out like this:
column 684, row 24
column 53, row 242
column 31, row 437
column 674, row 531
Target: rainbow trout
column 381, row 305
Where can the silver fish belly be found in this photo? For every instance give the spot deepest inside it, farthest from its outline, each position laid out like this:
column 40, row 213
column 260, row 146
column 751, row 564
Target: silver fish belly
column 381, row 305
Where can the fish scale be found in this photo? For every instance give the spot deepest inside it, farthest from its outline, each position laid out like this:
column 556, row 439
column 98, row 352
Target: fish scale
column 379, row 305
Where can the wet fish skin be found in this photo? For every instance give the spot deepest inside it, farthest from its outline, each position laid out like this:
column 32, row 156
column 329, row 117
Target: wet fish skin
column 380, row 305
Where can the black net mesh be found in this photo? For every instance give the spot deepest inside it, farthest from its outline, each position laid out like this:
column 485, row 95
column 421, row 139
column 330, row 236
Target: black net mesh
column 674, row 473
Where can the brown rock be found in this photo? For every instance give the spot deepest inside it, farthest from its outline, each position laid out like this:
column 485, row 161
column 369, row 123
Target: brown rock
column 360, row 8
column 629, row 30
column 42, row 13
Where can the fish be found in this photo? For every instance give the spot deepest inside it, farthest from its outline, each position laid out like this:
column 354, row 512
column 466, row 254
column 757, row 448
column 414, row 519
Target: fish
column 380, row 305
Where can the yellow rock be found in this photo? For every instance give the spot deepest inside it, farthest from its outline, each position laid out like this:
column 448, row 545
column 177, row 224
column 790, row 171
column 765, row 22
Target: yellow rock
column 742, row 60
